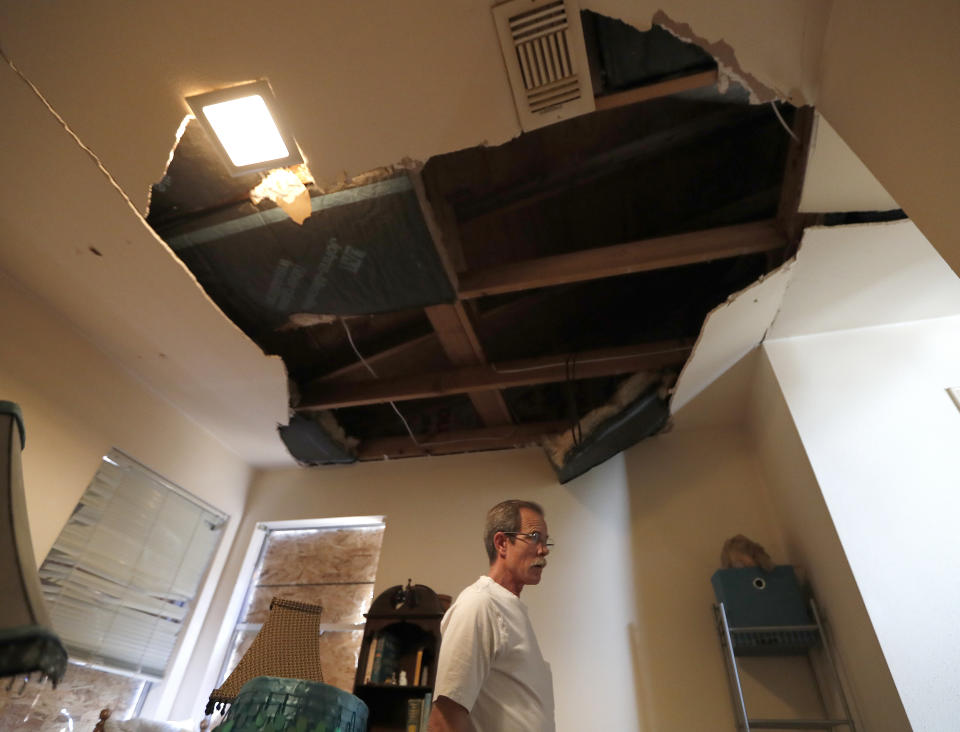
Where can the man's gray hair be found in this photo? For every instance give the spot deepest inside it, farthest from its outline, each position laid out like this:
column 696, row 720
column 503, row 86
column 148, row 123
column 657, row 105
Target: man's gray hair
column 505, row 516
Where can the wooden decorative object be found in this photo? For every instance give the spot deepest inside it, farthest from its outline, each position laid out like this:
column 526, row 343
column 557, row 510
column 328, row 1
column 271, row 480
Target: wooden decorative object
column 403, row 628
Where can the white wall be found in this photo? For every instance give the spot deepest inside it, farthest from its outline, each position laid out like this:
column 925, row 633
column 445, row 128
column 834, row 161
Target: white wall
column 881, row 434
column 77, row 404
column 858, row 276
column 856, row 368
column 813, row 545
column 690, row 490
column 624, row 611
column 434, row 512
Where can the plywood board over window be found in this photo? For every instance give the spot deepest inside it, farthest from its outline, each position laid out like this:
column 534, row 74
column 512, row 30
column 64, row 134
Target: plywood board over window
column 331, row 563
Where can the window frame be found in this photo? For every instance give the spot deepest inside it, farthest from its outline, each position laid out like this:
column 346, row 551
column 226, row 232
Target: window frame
column 241, row 588
column 151, row 684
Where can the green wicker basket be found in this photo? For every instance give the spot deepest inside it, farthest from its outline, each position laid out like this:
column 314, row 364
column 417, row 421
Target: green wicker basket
column 270, row 704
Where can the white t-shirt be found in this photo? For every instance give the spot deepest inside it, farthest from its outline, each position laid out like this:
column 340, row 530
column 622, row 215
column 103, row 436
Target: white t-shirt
column 490, row 662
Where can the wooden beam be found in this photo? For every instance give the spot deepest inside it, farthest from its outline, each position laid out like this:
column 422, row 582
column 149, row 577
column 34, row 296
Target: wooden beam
column 425, row 353
column 659, row 89
column 433, row 227
column 417, row 353
column 790, row 222
column 582, row 172
column 460, row 342
column 453, row 328
column 621, row 259
column 456, row 334
column 485, row 438
column 585, row 365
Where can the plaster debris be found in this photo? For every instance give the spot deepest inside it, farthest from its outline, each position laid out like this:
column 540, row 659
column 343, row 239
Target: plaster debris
column 287, row 187
column 306, row 320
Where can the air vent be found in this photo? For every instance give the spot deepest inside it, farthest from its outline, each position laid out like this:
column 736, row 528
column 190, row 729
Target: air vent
column 542, row 44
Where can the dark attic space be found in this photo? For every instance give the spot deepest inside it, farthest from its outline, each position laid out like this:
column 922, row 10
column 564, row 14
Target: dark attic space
column 545, row 291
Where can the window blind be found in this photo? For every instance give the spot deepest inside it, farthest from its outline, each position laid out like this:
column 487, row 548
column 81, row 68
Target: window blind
column 121, row 576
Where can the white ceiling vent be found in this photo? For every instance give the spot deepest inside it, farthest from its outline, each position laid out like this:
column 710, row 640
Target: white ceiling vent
column 542, row 44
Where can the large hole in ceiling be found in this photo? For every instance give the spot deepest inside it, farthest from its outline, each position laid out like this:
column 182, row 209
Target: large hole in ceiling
column 498, row 292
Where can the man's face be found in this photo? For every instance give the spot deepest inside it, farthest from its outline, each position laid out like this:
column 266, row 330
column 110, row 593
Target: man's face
column 526, row 558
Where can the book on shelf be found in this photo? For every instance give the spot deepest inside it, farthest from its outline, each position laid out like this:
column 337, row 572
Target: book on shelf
column 385, row 659
column 371, row 653
column 414, row 714
column 417, row 667
column 425, row 676
column 425, row 711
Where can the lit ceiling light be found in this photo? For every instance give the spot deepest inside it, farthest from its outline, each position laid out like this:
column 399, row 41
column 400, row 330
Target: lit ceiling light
column 243, row 122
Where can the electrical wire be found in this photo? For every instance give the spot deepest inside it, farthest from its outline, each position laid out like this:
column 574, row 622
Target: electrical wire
column 570, row 372
column 346, row 329
column 569, row 364
column 785, row 125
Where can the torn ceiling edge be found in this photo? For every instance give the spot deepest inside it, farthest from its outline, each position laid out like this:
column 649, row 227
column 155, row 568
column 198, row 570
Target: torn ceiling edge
column 781, row 62
column 730, row 331
column 726, row 58
column 638, row 409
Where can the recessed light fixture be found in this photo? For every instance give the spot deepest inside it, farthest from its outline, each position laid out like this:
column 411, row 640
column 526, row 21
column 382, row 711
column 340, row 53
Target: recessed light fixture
column 244, row 124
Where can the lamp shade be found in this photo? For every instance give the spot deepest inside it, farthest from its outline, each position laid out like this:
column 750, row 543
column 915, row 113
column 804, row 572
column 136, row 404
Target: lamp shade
column 287, row 646
column 27, row 644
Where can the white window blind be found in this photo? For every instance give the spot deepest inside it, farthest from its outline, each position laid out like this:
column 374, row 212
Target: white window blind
column 121, row 576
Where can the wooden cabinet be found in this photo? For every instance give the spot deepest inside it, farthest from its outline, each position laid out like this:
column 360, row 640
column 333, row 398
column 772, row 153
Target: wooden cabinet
column 402, row 634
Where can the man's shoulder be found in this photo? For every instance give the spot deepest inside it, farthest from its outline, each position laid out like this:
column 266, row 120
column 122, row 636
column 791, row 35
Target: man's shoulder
column 484, row 595
column 478, row 592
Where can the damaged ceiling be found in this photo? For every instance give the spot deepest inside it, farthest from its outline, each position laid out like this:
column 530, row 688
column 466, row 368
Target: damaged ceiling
column 493, row 296
column 100, row 268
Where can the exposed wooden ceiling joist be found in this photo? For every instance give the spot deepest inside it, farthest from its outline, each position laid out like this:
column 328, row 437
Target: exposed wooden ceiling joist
column 582, row 171
column 459, row 341
column 484, row 438
column 403, row 357
column 417, row 353
column 791, row 222
column 447, row 258
column 621, row 259
column 659, row 89
column 584, row 365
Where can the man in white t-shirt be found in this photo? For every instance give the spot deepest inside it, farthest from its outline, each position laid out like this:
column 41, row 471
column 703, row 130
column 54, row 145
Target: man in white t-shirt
column 491, row 676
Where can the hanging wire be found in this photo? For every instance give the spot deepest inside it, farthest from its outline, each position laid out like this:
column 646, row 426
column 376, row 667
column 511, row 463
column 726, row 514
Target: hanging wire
column 346, row 329
column 569, row 369
column 783, row 122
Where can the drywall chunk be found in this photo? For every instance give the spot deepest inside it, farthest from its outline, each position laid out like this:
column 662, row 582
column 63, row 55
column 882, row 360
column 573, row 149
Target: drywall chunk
column 287, row 187
column 730, row 331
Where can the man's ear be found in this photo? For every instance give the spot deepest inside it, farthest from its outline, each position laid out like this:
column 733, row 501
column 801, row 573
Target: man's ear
column 500, row 543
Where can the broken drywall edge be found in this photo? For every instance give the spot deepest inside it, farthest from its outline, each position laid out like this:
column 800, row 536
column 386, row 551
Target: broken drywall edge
column 729, row 332
column 558, row 446
column 726, row 58
column 69, row 130
column 187, row 118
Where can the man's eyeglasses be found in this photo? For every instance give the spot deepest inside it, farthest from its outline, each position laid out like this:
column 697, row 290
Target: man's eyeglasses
column 535, row 536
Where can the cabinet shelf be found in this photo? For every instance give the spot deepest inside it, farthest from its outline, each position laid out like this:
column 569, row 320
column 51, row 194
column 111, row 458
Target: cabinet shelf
column 403, row 625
